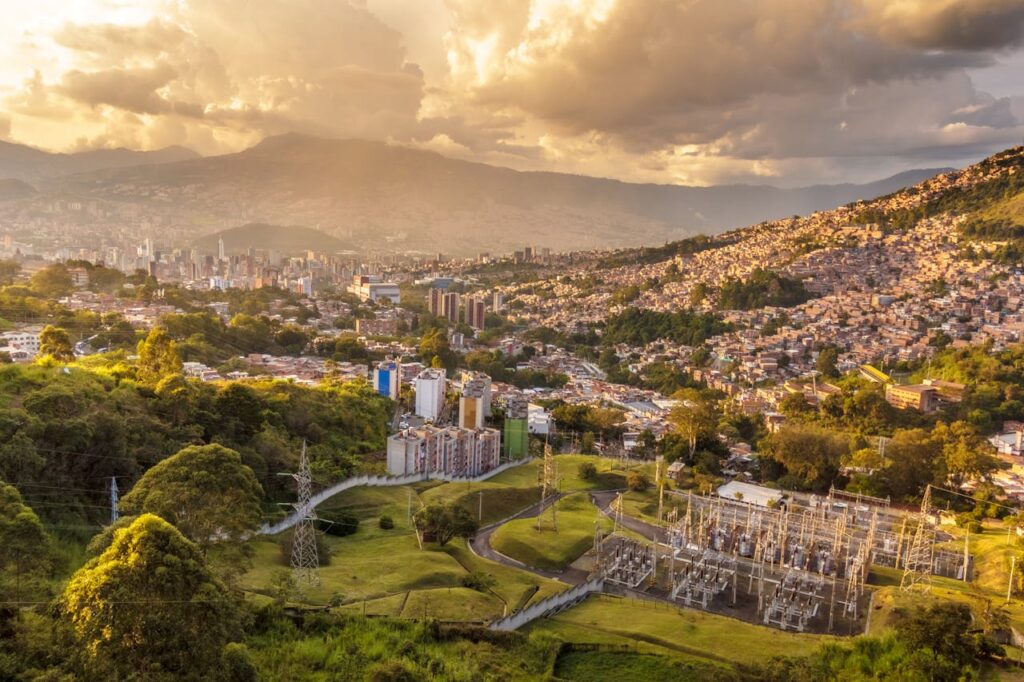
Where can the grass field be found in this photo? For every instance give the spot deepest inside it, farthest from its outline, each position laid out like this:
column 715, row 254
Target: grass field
column 587, row 666
column 664, row 629
column 499, row 501
column 546, row 548
column 609, row 473
column 388, row 570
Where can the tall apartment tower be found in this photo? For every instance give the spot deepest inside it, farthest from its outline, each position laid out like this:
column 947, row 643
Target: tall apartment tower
column 471, row 404
column 475, row 312
column 430, row 387
column 450, row 307
column 387, row 379
column 435, row 301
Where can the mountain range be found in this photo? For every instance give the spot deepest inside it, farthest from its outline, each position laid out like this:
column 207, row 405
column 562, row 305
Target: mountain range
column 398, row 198
column 29, row 164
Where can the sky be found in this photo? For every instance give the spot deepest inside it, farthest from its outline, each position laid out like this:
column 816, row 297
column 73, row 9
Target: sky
column 698, row 92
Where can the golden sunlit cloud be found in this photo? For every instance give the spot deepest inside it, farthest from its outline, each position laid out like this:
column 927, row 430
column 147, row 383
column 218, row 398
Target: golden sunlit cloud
column 697, row 92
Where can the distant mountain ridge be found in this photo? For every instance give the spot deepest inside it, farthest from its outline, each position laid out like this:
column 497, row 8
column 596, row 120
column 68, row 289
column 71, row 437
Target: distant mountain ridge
column 405, row 199
column 28, row 164
column 287, row 240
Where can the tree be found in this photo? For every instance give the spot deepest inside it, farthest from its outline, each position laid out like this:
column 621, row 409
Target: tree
column 149, row 605
column 810, row 454
column 965, row 453
column 587, row 472
column 693, row 419
column 27, row 550
column 55, row 342
column 795, row 405
column 444, row 522
column 8, row 271
column 206, row 491
column 911, row 462
column 158, row 356
column 826, row 364
column 637, row 481
column 52, row 281
column 435, row 350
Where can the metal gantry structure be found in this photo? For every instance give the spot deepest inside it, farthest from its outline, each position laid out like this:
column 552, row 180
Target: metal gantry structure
column 796, row 567
column 305, row 561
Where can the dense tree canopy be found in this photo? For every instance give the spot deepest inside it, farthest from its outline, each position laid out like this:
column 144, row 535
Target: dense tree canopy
column 205, row 491
column 148, row 605
column 27, row 554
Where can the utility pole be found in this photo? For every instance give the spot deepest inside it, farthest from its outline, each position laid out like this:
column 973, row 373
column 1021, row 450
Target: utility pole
column 480, row 513
column 305, row 560
column 114, row 514
column 1009, row 584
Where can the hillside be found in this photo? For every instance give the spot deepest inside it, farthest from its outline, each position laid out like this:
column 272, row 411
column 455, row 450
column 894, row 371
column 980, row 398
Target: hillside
column 416, row 199
column 283, row 239
column 11, row 189
column 29, row 164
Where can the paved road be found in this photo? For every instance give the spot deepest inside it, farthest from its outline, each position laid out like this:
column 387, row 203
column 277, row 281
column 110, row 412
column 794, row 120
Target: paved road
column 604, row 498
column 481, row 545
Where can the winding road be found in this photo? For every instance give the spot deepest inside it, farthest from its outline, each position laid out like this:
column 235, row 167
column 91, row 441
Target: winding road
column 480, row 544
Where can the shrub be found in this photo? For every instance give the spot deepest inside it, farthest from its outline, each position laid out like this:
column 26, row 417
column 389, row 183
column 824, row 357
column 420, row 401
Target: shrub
column 637, row 481
column 386, row 522
column 322, row 550
column 587, row 471
column 479, row 581
column 343, row 524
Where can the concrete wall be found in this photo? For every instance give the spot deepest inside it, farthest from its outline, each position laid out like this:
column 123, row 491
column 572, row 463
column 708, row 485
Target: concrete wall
column 545, row 606
column 367, row 480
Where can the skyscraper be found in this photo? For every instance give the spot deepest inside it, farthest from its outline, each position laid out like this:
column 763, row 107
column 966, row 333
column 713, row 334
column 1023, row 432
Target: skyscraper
column 475, row 312
column 450, row 307
column 220, row 249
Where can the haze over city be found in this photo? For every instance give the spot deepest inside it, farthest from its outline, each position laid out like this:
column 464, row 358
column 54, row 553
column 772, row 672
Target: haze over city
column 511, row 340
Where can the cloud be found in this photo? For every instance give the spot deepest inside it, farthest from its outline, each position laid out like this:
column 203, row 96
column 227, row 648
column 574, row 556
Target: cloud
column 967, row 25
column 658, row 72
column 668, row 90
column 223, row 73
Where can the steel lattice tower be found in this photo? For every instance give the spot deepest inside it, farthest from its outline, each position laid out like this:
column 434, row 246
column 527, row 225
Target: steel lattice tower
column 917, row 568
column 114, row 498
column 549, row 485
column 305, row 561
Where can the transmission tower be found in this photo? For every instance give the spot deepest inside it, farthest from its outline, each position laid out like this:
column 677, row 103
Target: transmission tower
column 305, row 561
column 113, row 500
column 661, row 486
column 549, row 488
column 917, row 567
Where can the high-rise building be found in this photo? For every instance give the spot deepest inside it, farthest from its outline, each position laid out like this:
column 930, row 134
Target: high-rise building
column 450, row 307
column 452, row 451
column 435, row 301
column 471, row 405
column 498, row 301
column 475, row 312
column 430, row 388
column 221, row 253
column 387, row 379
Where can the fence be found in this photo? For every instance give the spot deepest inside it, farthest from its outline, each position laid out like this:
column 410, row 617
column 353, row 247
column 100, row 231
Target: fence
column 545, row 606
column 376, row 481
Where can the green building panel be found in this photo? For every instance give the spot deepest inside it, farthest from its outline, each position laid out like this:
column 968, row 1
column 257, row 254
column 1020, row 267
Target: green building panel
column 516, row 438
